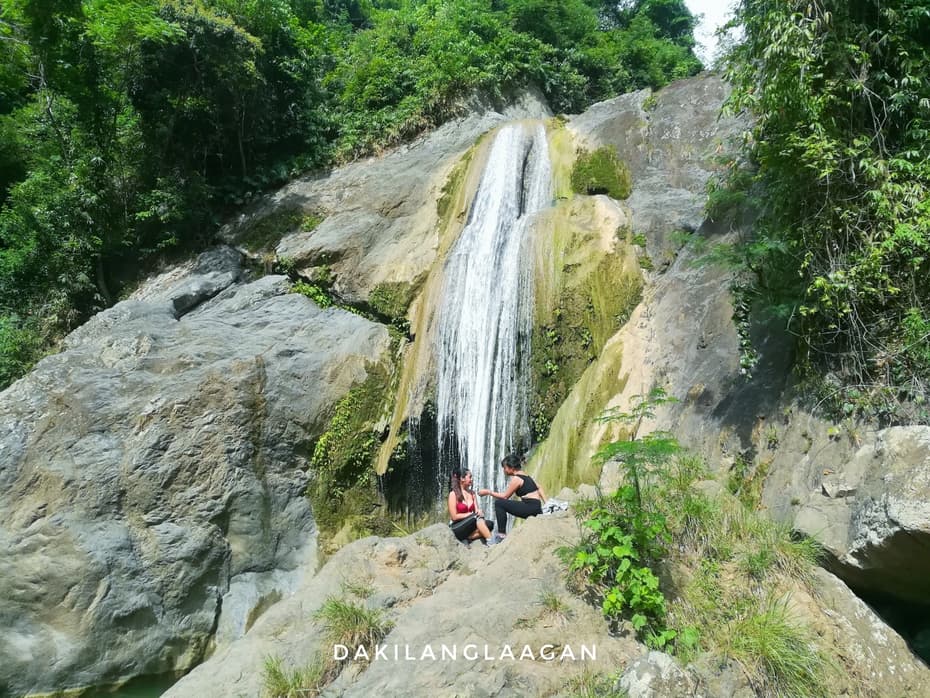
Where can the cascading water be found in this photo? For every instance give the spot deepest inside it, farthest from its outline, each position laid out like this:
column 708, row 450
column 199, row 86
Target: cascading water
column 486, row 312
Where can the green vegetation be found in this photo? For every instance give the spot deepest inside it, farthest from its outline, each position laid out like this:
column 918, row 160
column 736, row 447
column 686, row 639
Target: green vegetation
column 626, row 534
column 693, row 569
column 352, row 624
column 129, row 129
column 265, row 233
column 601, row 172
column 315, row 293
column 344, row 623
column 297, row 683
column 390, row 299
column 591, row 685
column 840, row 178
column 593, row 295
column 343, row 490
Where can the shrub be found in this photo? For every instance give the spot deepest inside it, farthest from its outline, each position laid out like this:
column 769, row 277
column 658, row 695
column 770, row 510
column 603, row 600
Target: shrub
column 601, row 172
column 314, row 293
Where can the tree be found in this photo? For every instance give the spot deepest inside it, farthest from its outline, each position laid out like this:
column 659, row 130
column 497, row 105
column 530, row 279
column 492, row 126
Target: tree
column 841, row 99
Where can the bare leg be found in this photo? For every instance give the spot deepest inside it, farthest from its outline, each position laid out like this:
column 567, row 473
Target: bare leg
column 483, row 529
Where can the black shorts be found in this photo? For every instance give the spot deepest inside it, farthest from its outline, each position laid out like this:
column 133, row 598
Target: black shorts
column 463, row 528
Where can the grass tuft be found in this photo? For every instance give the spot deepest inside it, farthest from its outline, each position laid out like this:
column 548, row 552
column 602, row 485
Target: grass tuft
column 777, row 653
column 295, row 683
column 351, row 624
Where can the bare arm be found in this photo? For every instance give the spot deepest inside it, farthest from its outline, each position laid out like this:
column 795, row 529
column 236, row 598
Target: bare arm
column 512, row 487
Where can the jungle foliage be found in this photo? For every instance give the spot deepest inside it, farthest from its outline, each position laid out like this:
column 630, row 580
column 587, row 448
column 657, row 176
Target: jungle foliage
column 130, row 128
column 840, row 179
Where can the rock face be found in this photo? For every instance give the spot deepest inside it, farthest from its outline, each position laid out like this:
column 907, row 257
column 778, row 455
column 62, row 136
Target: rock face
column 436, row 592
column 871, row 511
column 152, row 474
column 380, row 216
column 681, row 336
column 671, row 146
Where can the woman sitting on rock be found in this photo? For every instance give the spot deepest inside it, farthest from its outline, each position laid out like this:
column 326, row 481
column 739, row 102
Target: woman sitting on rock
column 531, row 495
column 466, row 519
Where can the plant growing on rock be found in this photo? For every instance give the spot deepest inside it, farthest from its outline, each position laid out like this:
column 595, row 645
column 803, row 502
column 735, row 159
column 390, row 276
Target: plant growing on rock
column 294, row 683
column 840, row 95
column 625, row 534
column 601, row 172
column 314, row 293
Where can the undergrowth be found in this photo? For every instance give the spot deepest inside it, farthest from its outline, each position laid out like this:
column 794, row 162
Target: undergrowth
column 693, row 570
column 343, row 623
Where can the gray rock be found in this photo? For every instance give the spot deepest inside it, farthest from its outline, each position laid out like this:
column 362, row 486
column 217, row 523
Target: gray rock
column 152, row 475
column 672, row 149
column 875, row 519
column 436, row 593
column 611, row 478
column 657, row 675
column 876, row 660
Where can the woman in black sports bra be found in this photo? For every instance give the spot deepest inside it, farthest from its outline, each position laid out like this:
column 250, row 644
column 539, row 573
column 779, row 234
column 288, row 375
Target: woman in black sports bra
column 531, row 495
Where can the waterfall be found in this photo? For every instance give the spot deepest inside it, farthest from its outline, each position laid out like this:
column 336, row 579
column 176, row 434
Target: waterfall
column 486, row 311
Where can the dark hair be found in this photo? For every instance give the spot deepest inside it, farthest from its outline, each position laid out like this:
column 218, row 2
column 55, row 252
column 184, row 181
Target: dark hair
column 457, row 483
column 512, row 460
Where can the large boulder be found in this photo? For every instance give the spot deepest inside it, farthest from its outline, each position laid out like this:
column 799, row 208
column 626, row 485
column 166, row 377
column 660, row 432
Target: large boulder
column 437, row 593
column 152, row 474
column 870, row 510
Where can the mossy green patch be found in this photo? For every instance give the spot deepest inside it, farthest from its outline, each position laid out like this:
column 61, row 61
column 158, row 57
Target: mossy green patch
column 587, row 285
column 561, row 155
column 601, row 172
column 315, row 293
column 343, row 485
column 449, row 200
column 391, row 299
column 263, row 234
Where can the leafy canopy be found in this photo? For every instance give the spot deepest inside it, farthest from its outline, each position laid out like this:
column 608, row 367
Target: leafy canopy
column 840, row 93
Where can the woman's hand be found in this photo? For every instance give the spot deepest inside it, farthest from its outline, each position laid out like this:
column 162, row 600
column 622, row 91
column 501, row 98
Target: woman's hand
column 483, row 492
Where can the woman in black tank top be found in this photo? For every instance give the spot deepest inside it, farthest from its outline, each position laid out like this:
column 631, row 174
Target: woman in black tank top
column 531, row 495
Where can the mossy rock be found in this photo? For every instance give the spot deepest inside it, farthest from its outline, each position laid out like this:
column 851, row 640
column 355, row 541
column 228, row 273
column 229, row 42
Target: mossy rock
column 601, row 172
column 343, row 484
column 391, row 300
column 586, row 316
column 263, row 234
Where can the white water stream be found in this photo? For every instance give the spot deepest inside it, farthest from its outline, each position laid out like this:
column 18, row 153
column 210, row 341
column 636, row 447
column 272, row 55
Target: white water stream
column 486, row 313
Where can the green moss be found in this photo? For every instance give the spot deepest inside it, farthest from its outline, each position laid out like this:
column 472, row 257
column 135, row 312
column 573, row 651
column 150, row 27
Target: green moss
column 561, row 154
column 452, row 189
column 391, row 300
column 315, row 293
column 650, row 103
column 601, row 172
column 587, row 315
column 264, row 234
column 343, row 484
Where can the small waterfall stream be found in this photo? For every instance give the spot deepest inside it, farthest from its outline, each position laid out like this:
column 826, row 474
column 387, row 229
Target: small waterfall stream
column 486, row 312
